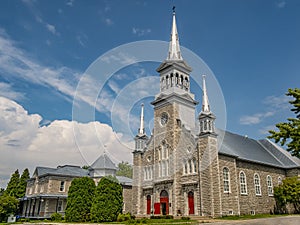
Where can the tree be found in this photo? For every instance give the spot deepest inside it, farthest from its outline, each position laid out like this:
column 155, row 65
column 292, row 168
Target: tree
column 288, row 192
column 2, row 191
column 125, row 169
column 108, row 201
column 11, row 189
column 86, row 167
column 80, row 199
column 21, row 187
column 289, row 132
column 8, row 205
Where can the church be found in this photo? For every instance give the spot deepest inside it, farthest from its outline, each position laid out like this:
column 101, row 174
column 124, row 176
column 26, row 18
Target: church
column 184, row 169
column 187, row 167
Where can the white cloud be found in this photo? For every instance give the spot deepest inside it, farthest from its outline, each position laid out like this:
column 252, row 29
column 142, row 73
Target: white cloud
column 24, row 143
column 51, row 28
column 255, row 119
column 6, row 90
column 265, row 130
column 281, row 4
column 274, row 105
column 14, row 62
column 120, row 57
column 278, row 102
column 140, row 32
column 108, row 21
column 70, row 3
column 82, row 39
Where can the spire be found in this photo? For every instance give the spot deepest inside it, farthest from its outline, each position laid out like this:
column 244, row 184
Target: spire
column 205, row 102
column 174, row 48
column 142, row 129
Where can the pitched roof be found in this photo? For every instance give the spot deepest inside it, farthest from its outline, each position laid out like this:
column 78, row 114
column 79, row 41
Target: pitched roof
column 124, row 180
column 259, row 151
column 103, row 162
column 66, row 170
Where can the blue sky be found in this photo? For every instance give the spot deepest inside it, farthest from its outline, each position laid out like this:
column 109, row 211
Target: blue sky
column 251, row 46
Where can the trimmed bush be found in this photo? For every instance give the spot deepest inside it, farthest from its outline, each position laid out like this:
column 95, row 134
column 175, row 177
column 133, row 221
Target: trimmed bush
column 80, row 199
column 108, row 201
column 56, row 217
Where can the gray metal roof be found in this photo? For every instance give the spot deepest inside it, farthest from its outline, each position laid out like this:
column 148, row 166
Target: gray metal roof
column 124, row 180
column 259, row 151
column 66, row 170
column 103, row 162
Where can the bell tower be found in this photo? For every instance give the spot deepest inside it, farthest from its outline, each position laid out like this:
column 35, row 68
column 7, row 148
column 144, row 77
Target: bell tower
column 174, row 104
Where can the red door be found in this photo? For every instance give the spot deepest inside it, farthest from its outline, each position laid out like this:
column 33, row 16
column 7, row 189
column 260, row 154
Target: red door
column 164, row 202
column 157, row 208
column 191, row 203
column 148, row 204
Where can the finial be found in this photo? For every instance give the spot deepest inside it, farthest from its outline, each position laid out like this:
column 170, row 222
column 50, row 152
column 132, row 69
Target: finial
column 174, row 47
column 173, row 9
column 205, row 102
column 142, row 129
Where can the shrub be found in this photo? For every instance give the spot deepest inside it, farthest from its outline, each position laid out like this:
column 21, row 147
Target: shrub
column 124, row 217
column 80, row 199
column 185, row 218
column 56, row 217
column 108, row 201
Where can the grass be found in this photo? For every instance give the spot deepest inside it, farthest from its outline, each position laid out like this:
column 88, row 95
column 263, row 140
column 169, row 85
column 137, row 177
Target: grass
column 246, row 217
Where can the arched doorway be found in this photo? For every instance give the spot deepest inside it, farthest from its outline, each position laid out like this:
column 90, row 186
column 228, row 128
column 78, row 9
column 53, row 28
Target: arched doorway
column 191, row 203
column 164, row 202
column 148, row 204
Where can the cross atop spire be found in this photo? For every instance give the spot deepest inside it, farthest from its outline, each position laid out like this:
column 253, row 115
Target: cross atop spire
column 205, row 102
column 174, row 48
column 142, row 129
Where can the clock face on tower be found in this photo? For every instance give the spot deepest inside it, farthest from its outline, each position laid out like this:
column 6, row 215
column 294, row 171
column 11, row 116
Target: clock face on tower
column 164, row 118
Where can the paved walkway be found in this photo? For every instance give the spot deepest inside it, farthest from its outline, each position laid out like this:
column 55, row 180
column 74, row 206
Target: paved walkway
column 286, row 220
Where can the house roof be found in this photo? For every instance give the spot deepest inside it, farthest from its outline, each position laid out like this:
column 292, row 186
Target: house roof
column 258, row 151
column 103, row 162
column 66, row 170
column 124, row 180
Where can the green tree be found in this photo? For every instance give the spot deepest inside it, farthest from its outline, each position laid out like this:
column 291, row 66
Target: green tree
column 288, row 192
column 21, row 187
column 124, row 169
column 2, row 191
column 289, row 132
column 108, row 201
column 80, row 199
column 8, row 205
column 12, row 186
column 86, row 167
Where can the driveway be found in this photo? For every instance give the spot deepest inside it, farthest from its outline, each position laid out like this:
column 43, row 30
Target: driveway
column 286, row 220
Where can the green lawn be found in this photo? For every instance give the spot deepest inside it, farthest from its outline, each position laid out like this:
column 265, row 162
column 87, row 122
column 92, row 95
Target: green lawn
column 246, row 217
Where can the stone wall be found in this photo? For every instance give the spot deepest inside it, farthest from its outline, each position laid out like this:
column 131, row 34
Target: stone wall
column 250, row 202
column 230, row 200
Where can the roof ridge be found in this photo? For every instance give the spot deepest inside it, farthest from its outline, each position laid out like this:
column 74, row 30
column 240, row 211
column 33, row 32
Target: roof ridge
column 258, row 141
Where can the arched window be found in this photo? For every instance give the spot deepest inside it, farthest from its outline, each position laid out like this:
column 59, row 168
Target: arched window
column 243, row 184
column 226, row 180
column 190, row 166
column 279, row 180
column 270, row 185
column 195, row 165
column 257, row 184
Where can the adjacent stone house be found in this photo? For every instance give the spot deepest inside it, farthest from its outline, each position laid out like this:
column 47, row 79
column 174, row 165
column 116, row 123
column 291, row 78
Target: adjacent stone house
column 47, row 189
column 183, row 169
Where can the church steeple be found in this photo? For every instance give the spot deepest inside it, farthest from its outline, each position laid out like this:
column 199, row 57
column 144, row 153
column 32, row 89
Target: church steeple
column 141, row 138
column 206, row 117
column 175, row 86
column 174, row 47
column 142, row 129
column 205, row 102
